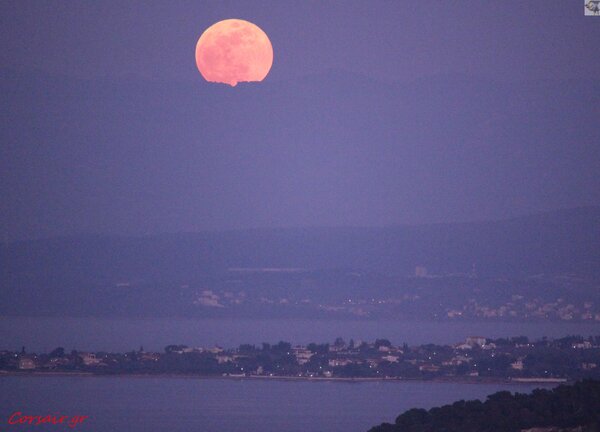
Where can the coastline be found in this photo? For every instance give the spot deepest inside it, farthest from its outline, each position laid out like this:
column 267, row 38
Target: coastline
column 448, row 380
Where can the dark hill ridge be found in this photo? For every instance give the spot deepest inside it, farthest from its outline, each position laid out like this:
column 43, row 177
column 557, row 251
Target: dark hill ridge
column 574, row 408
column 85, row 269
column 564, row 241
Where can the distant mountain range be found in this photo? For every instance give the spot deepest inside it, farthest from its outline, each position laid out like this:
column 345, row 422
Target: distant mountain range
column 106, row 274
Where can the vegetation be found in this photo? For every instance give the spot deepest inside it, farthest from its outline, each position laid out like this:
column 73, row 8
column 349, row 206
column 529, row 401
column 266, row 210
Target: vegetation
column 569, row 358
column 565, row 408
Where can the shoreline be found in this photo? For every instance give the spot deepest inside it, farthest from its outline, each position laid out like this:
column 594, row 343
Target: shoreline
column 446, row 380
column 358, row 319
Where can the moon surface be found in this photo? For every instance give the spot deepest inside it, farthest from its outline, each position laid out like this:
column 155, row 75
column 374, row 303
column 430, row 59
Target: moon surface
column 233, row 51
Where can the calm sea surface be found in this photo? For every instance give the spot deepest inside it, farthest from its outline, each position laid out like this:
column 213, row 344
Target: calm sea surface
column 205, row 405
column 215, row 405
column 110, row 334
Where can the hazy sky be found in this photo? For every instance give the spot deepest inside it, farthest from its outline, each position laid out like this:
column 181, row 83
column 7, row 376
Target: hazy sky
column 374, row 113
column 388, row 40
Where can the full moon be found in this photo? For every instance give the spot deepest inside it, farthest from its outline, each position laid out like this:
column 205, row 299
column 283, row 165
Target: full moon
column 233, row 51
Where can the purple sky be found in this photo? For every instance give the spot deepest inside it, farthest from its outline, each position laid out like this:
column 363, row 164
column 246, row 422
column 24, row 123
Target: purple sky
column 387, row 40
column 374, row 113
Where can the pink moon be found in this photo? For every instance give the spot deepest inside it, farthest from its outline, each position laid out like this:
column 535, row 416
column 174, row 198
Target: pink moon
column 233, row 51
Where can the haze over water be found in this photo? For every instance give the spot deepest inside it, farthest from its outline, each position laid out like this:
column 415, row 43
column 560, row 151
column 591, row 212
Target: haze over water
column 119, row 334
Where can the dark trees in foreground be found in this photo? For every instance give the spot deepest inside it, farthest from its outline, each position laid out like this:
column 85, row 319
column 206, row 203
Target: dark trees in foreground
column 566, row 407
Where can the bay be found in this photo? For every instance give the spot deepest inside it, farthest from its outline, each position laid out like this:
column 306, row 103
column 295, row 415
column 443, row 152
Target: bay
column 147, row 404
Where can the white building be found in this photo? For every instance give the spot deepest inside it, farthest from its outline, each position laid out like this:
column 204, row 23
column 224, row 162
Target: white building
column 224, row 358
column 339, row 362
column 475, row 341
column 302, row 354
column 89, row 359
column 26, row 363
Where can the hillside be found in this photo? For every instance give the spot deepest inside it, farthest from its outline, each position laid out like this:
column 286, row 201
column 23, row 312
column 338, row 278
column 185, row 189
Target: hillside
column 192, row 273
column 563, row 409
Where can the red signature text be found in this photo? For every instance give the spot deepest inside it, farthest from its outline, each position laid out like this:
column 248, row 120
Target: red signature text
column 18, row 418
